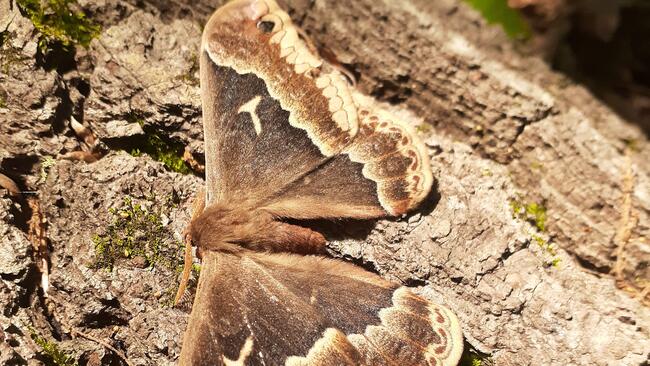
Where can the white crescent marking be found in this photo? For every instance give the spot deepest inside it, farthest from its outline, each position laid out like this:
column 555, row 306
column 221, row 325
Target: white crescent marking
column 250, row 107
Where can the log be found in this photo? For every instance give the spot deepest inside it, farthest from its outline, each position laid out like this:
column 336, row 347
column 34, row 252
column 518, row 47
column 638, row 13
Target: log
column 539, row 184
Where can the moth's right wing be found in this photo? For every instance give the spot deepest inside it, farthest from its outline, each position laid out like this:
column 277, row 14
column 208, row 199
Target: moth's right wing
column 280, row 309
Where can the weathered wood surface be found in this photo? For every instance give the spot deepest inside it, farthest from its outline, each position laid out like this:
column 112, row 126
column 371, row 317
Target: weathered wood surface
column 501, row 128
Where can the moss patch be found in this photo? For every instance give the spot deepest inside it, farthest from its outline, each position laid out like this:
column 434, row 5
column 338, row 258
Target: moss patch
column 498, row 12
column 137, row 231
column 535, row 213
column 472, row 357
column 164, row 150
column 52, row 354
column 58, row 23
column 549, row 249
column 8, row 54
column 536, row 165
column 3, row 37
column 632, row 145
column 46, row 164
column 424, row 128
column 190, row 76
column 159, row 147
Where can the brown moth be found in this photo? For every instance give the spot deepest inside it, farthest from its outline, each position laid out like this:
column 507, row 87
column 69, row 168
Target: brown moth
column 286, row 138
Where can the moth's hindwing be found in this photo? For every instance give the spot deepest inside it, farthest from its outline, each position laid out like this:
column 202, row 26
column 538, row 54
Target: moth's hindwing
column 276, row 309
column 287, row 132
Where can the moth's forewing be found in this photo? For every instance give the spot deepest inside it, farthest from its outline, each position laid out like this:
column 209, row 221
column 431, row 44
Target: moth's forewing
column 281, row 128
column 267, row 121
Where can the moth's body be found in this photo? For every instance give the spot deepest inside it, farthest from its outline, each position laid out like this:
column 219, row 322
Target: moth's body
column 286, row 137
column 238, row 227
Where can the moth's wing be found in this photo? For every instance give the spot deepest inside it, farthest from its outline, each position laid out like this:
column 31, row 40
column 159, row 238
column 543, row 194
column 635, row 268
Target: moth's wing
column 384, row 171
column 282, row 309
column 282, row 130
column 271, row 112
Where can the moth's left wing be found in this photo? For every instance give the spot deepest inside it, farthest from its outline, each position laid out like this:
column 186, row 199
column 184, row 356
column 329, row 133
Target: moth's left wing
column 281, row 309
column 384, row 171
column 271, row 111
column 287, row 132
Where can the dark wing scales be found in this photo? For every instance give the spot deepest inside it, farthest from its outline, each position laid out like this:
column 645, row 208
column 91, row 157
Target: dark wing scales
column 285, row 309
column 337, row 188
column 252, row 148
column 384, row 171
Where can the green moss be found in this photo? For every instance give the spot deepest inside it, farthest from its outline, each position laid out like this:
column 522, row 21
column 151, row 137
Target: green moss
column 632, row 145
column 549, row 249
column 137, row 232
column 498, row 12
column 538, row 214
column 517, row 209
column 161, row 148
column 53, row 355
column 165, row 151
column 4, row 35
column 196, row 268
column 472, row 357
column 487, row 172
column 58, row 23
column 46, row 164
column 536, row 165
column 532, row 212
column 135, row 117
column 8, row 53
column 190, row 76
column 535, row 213
column 423, row 128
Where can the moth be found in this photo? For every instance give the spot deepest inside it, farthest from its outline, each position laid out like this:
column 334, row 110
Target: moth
column 286, row 137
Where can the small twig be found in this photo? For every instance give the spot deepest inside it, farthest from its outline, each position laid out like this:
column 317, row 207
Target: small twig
column 36, row 233
column 627, row 221
column 644, row 293
column 101, row 342
column 38, row 238
column 90, row 148
column 85, row 156
column 193, row 163
column 8, row 184
column 83, row 132
column 74, row 332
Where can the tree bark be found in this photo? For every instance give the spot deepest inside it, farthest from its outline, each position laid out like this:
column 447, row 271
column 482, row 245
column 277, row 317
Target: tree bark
column 538, row 187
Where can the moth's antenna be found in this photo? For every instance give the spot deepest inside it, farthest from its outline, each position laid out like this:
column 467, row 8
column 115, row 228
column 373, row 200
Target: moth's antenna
column 187, row 267
column 197, row 208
